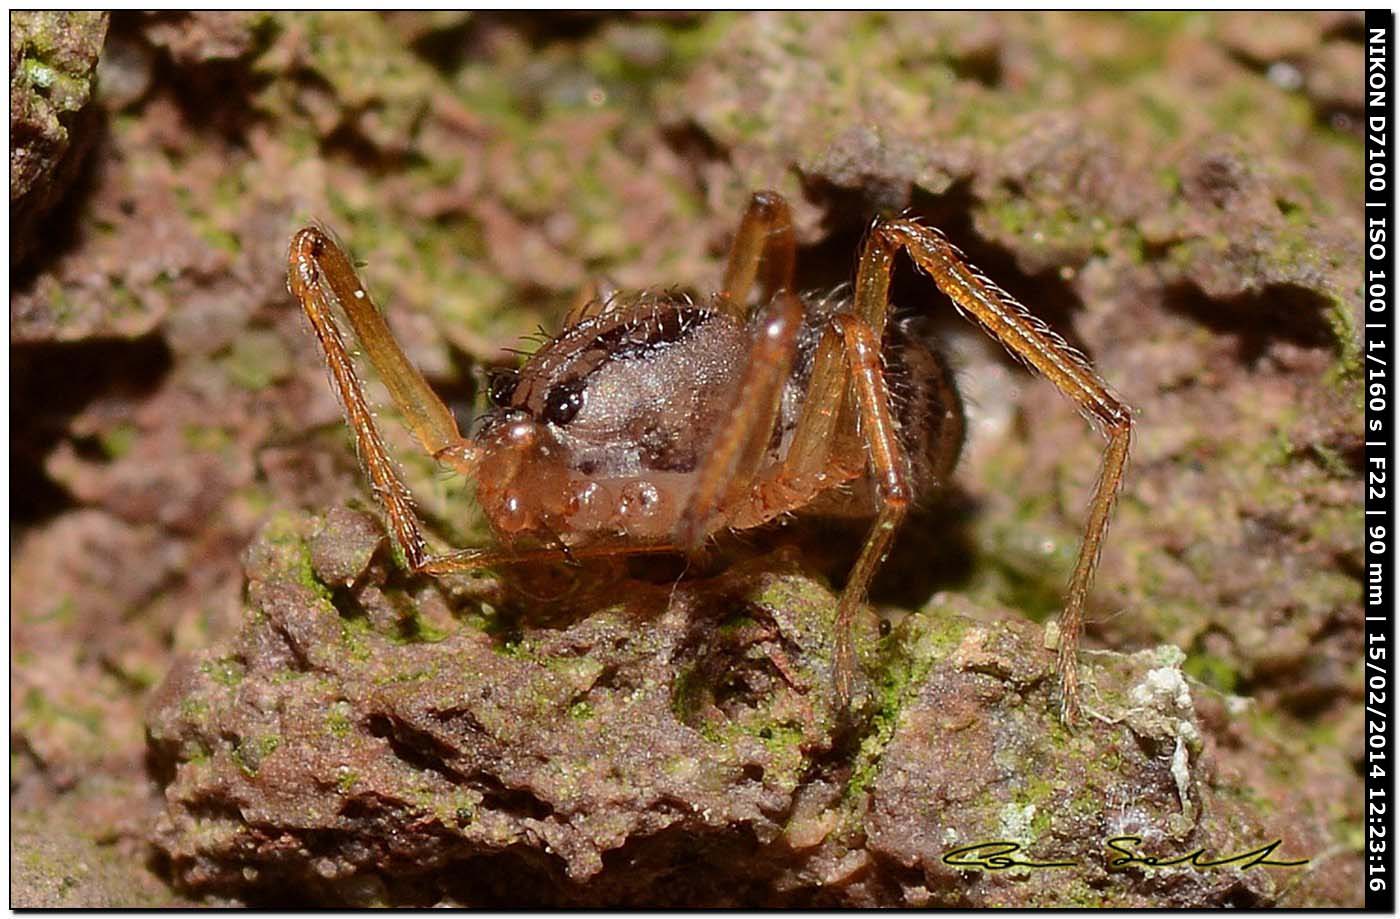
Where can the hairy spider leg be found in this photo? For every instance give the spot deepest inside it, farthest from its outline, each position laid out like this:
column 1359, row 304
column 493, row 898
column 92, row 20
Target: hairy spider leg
column 888, row 463
column 737, row 450
column 786, row 312
column 319, row 274
column 1030, row 340
column 764, row 253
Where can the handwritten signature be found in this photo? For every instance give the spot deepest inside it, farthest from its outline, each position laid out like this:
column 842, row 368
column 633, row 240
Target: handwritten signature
column 998, row 856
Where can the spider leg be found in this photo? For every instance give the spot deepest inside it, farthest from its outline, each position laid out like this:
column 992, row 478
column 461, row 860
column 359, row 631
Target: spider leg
column 1032, row 341
column 737, row 450
column 472, row 559
column 822, row 408
column 889, row 465
column 820, row 450
column 764, row 252
column 320, row 275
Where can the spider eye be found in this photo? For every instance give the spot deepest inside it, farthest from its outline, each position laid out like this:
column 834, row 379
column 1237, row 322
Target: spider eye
column 500, row 387
column 563, row 402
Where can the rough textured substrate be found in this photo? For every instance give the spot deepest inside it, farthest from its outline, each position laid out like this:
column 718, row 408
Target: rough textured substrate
column 360, row 743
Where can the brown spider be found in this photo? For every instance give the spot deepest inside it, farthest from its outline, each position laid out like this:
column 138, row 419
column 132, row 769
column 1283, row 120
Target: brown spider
column 652, row 422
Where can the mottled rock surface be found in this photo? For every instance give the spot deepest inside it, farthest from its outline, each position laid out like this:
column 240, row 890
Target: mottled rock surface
column 371, row 744
column 53, row 58
column 1178, row 194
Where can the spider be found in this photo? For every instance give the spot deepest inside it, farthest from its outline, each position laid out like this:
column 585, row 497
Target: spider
column 653, row 422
